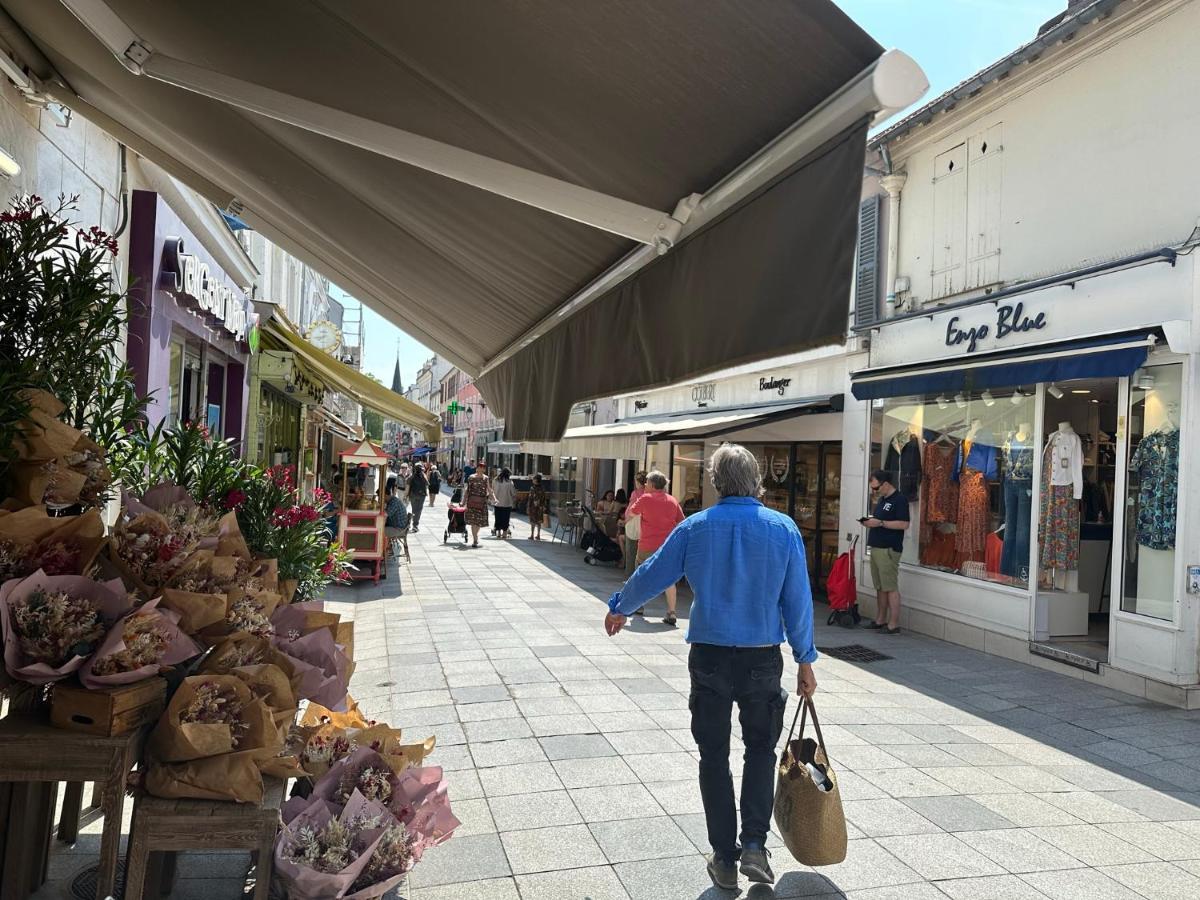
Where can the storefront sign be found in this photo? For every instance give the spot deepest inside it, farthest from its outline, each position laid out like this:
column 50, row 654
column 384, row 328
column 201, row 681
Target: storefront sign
column 1100, row 305
column 185, row 275
column 704, row 393
column 1010, row 319
column 778, row 385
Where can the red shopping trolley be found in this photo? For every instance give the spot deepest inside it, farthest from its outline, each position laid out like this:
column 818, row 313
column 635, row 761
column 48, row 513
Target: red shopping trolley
column 842, row 590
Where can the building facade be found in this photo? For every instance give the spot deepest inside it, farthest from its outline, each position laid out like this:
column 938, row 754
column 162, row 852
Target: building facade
column 1032, row 376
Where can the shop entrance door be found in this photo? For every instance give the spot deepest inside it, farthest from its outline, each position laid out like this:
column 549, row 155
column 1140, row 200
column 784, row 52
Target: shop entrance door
column 1080, row 501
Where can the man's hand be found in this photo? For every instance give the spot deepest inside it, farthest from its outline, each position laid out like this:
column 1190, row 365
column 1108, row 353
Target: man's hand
column 613, row 623
column 873, row 522
column 806, row 681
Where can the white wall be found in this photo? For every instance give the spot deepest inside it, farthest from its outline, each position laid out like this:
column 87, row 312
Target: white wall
column 1099, row 145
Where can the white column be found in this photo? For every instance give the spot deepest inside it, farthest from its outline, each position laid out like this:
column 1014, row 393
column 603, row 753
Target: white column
column 893, row 184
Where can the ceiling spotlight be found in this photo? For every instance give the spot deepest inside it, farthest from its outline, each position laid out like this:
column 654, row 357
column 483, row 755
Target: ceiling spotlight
column 942, row 402
column 1080, row 391
column 987, row 398
column 1017, row 397
column 960, row 400
column 1145, row 382
column 1055, row 391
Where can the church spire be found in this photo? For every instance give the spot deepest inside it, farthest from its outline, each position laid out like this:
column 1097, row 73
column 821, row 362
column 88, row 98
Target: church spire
column 396, row 386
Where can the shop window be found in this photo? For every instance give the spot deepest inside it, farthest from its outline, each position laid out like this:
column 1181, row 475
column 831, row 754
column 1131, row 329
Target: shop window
column 176, row 382
column 687, row 476
column 1148, row 583
column 965, row 462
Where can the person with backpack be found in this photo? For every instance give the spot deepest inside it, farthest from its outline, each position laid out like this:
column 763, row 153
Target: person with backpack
column 418, row 490
column 435, row 483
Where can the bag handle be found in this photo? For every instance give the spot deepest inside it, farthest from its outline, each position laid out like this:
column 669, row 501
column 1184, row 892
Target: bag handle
column 806, row 705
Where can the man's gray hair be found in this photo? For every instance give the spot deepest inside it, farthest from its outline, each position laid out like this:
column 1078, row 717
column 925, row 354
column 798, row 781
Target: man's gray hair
column 734, row 472
column 657, row 479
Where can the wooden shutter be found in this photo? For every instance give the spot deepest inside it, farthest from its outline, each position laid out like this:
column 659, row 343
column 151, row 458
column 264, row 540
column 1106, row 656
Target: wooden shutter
column 866, row 274
column 985, row 172
column 949, row 222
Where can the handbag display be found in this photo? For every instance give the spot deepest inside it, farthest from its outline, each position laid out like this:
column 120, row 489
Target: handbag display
column 808, row 803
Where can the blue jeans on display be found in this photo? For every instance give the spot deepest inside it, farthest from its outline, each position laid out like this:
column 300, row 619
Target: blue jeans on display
column 1018, row 506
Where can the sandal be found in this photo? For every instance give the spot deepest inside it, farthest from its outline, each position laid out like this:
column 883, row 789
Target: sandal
column 669, row 619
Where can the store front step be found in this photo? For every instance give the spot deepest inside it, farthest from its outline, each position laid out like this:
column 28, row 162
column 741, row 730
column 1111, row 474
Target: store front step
column 1065, row 656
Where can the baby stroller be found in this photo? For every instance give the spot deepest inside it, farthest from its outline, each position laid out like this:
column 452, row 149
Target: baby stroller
column 842, row 590
column 597, row 546
column 456, row 518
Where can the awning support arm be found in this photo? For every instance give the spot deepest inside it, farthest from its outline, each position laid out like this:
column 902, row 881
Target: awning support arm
column 888, row 85
column 647, row 226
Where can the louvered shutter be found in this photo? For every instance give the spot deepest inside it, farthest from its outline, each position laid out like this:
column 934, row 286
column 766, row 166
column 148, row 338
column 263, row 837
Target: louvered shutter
column 866, row 281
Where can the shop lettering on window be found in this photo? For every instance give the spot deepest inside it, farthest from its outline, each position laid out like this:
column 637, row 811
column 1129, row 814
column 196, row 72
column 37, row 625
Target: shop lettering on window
column 1010, row 319
column 184, row 274
column 704, row 394
column 778, row 385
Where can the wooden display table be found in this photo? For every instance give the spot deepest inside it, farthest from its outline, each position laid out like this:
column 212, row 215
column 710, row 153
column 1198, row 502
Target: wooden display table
column 33, row 751
column 163, row 827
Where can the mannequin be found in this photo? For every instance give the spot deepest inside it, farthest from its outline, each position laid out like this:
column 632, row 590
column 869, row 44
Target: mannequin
column 903, row 459
column 1062, row 489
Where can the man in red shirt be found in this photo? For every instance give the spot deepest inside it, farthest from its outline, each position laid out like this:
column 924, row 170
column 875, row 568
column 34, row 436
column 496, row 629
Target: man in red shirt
column 660, row 513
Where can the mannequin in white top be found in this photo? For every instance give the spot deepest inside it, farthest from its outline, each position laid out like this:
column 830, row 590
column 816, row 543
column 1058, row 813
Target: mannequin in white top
column 1064, row 455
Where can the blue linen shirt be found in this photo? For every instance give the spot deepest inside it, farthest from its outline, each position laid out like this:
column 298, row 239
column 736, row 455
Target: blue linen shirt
column 748, row 573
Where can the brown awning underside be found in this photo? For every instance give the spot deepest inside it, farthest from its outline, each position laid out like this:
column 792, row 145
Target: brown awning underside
column 645, row 101
column 771, row 277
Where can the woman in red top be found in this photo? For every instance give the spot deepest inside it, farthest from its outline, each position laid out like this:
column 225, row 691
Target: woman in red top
column 660, row 513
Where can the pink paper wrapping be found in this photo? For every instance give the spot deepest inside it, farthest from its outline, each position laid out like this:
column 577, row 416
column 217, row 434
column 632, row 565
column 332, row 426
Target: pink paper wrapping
column 160, row 497
column 328, row 685
column 327, row 785
column 427, row 814
column 307, row 884
column 180, row 648
column 109, row 597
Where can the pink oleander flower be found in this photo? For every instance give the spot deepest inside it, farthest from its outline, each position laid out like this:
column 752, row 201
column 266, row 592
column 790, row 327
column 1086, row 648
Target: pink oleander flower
column 234, row 499
column 53, row 627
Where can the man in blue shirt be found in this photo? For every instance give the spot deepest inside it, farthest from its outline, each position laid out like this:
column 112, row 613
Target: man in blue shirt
column 746, row 566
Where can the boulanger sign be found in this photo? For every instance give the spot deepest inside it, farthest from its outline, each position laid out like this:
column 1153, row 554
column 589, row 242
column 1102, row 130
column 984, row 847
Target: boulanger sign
column 186, row 276
column 778, row 385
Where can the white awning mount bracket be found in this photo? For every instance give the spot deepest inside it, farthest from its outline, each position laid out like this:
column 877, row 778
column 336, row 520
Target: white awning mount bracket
column 642, row 224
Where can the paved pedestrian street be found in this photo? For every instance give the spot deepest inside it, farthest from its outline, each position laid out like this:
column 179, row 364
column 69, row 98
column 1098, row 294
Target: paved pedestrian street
column 572, row 768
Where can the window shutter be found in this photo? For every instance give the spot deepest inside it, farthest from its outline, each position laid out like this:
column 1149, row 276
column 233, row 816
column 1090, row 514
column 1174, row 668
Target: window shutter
column 866, row 278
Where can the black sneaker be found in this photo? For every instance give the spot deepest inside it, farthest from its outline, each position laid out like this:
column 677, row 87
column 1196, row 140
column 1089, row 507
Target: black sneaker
column 885, row 630
column 874, row 626
column 722, row 873
column 669, row 619
column 756, row 865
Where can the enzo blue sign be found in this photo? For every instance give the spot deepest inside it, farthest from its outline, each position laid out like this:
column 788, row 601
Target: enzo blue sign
column 1010, row 319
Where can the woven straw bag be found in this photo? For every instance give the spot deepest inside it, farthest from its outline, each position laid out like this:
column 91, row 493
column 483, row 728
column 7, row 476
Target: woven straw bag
column 809, row 819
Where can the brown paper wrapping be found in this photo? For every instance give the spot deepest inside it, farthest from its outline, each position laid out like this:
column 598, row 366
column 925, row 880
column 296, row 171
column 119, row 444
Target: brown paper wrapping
column 229, row 538
column 43, row 435
column 176, row 741
column 221, row 662
column 315, row 714
column 288, row 587
column 29, row 527
column 196, row 611
column 270, row 684
column 231, row 776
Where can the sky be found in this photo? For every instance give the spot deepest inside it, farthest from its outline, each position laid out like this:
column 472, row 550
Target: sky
column 950, row 39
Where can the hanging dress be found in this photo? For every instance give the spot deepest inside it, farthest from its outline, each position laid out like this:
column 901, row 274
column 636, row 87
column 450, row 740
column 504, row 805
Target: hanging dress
column 1058, row 520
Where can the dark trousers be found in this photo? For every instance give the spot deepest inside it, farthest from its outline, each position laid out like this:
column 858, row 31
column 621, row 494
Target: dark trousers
column 418, row 506
column 1018, row 500
column 750, row 677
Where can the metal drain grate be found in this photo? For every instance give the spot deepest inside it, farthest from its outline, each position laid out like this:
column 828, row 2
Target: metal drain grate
column 83, row 886
column 853, row 653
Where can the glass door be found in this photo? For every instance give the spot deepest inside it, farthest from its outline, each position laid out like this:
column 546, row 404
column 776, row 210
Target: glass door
column 830, row 513
column 807, row 489
column 775, row 462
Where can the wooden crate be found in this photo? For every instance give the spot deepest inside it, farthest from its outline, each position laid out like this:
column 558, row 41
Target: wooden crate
column 108, row 711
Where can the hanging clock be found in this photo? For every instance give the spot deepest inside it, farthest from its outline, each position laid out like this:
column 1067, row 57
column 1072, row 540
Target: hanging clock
column 324, row 335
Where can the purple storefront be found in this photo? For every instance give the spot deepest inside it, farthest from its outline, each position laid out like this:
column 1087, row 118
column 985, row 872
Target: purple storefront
column 189, row 324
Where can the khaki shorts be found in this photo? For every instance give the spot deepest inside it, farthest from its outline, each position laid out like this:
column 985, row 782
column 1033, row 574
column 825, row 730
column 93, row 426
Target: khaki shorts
column 642, row 556
column 885, row 568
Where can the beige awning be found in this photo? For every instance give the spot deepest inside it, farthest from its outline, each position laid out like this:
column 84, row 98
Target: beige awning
column 351, row 382
column 499, row 178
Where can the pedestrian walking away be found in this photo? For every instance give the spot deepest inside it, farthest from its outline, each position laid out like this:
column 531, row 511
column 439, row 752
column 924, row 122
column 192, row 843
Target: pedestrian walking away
column 504, row 493
column 418, row 490
column 658, row 512
column 478, row 493
column 536, row 506
column 633, row 525
column 885, row 538
column 746, row 566
column 435, row 484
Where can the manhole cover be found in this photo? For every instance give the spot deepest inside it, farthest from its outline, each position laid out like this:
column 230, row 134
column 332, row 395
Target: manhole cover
column 83, row 886
column 854, row 653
